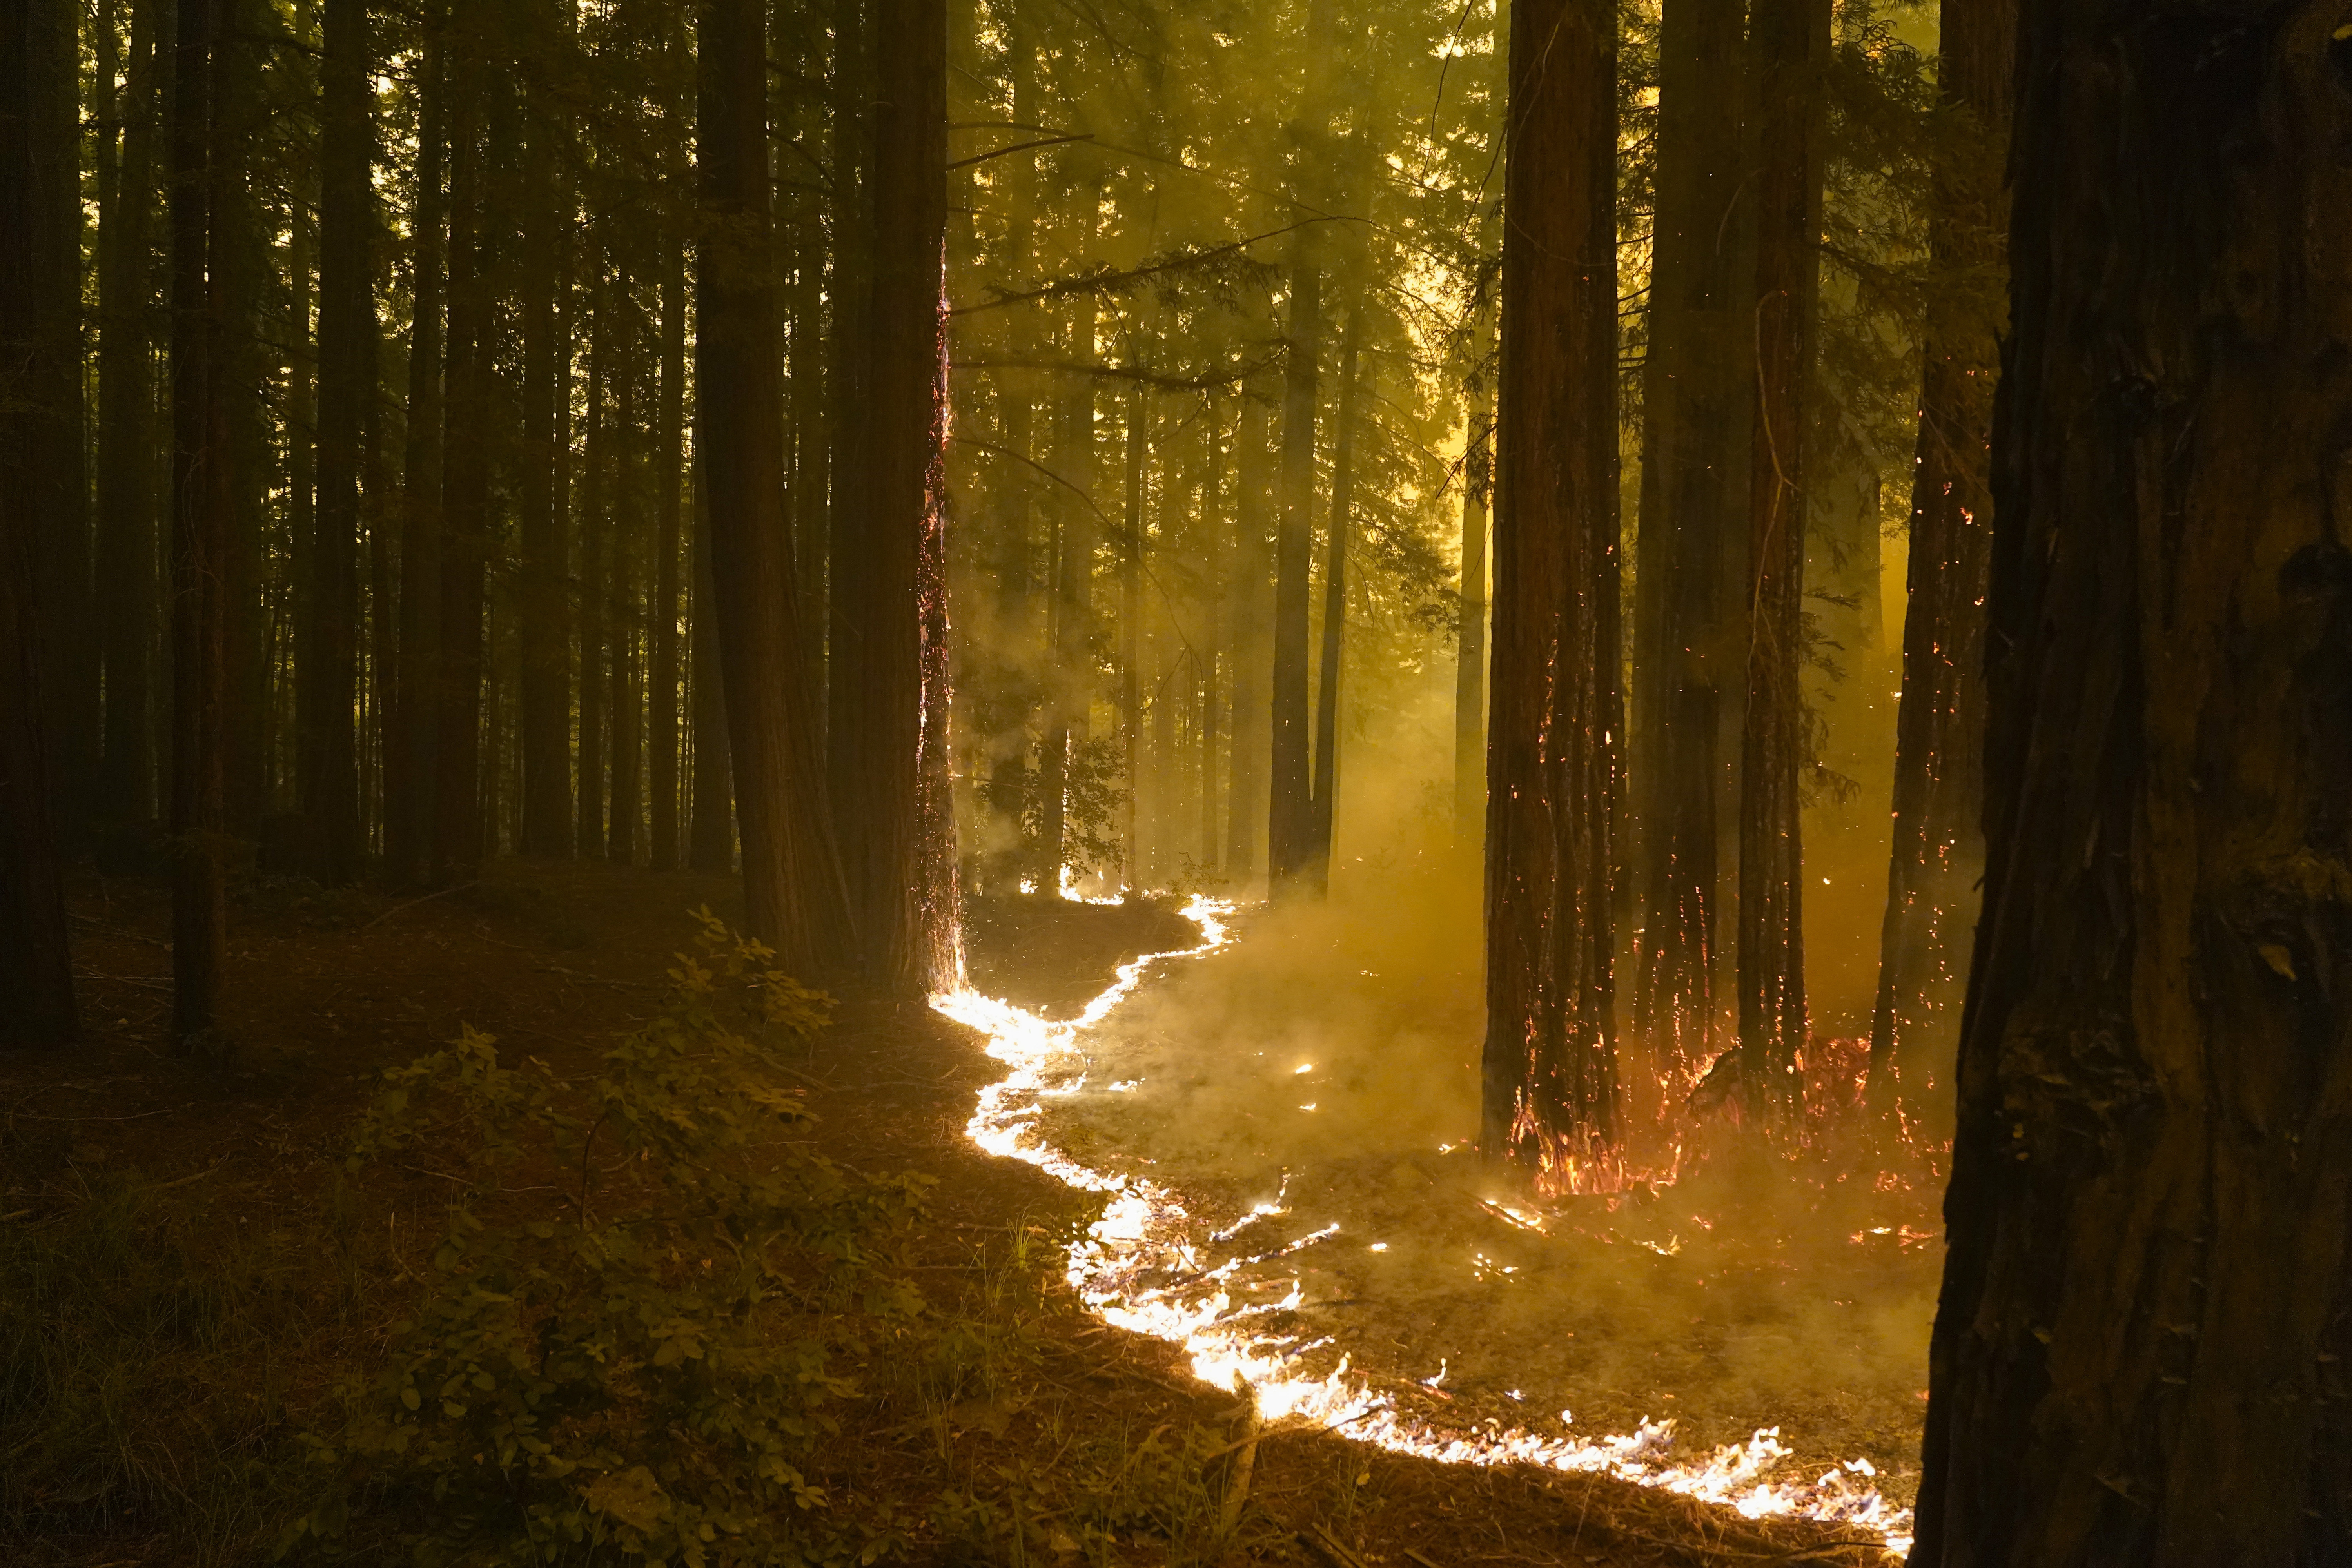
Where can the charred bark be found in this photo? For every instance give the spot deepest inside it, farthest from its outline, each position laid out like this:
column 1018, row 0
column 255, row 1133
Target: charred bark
column 1549, row 1073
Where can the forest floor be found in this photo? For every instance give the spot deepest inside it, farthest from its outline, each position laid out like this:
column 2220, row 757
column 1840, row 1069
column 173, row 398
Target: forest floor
column 170, row 1319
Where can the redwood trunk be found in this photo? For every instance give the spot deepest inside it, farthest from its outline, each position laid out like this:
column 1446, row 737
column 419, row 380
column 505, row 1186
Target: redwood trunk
column 1791, row 38
column 1938, row 848
column 1550, row 1068
column 793, row 896
column 2139, row 1353
column 37, row 991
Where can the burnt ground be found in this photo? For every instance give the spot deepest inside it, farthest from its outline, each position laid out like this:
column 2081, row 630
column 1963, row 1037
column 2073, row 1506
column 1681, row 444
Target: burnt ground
column 328, row 988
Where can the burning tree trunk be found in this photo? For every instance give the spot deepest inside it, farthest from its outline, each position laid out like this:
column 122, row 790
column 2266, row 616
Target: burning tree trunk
column 793, row 896
column 2139, row 1353
column 1550, row 1069
column 1689, row 616
column 1791, row 38
column 37, row 991
column 327, row 751
column 1939, row 724
column 199, row 530
column 881, row 723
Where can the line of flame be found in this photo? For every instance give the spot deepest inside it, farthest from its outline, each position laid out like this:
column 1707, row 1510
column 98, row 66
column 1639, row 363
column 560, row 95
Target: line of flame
column 1143, row 1231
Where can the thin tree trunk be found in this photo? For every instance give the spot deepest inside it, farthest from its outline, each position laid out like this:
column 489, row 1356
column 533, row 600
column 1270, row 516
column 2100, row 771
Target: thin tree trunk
column 1335, row 609
column 409, row 748
column 1550, row 1098
column 199, row 525
column 1216, row 566
column 1939, row 722
column 669, row 457
column 1791, row 41
column 596, row 512
column 36, row 988
column 1131, row 632
column 242, row 273
column 2139, row 1352
column 849, row 352
column 1246, row 812
column 1074, row 535
column 327, row 766
column 1470, row 657
column 126, row 439
column 710, row 834
column 542, row 586
column 793, row 894
column 624, row 691
column 1690, row 618
column 465, row 486
column 1290, row 819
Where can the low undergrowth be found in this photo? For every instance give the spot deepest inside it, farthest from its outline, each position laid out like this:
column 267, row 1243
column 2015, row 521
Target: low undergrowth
column 647, row 1321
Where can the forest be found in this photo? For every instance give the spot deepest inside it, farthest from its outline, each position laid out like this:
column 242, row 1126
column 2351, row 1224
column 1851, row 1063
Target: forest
column 1114, row 784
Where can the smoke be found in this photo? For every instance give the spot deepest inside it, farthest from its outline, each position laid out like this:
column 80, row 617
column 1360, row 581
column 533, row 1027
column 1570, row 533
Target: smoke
column 1311, row 1092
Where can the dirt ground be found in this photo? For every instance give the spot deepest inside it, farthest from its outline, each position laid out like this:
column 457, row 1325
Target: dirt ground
column 329, row 988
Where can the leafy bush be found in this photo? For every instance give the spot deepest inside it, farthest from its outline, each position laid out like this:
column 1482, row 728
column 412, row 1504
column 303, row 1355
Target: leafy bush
column 639, row 1366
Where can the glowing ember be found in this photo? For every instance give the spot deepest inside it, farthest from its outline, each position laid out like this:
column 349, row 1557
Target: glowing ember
column 1143, row 1236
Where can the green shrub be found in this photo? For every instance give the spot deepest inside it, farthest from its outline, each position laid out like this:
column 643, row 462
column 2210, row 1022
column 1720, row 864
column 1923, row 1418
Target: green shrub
column 637, row 1360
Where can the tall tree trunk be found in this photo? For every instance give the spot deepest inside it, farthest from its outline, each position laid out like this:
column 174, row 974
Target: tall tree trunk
column 711, row 832
column 624, row 618
column 2139, row 1352
column 409, row 741
column 879, row 722
column 1334, row 608
column 1072, row 616
column 1130, row 633
column 1791, row 42
column 36, row 989
column 1939, row 722
column 669, row 459
column 327, row 769
column 1246, row 812
column 793, row 894
column 242, row 263
column 1550, row 1074
column 59, row 453
column 849, row 353
column 541, row 589
column 1470, row 660
column 199, row 525
column 1690, row 618
column 126, row 443
column 466, row 475
column 1290, row 806
column 1217, row 565
column 596, row 514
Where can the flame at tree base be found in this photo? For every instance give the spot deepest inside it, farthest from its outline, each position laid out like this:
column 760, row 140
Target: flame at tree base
column 1145, row 1233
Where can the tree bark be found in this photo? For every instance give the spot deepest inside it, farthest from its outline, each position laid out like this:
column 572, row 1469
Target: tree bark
column 1690, row 618
column 1247, row 814
column 849, row 352
column 1335, row 609
column 1938, row 848
column 624, row 617
column 1470, row 660
column 880, row 720
column 541, row 587
column 670, row 460
column 2138, row 1354
column 327, row 753
column 1131, row 639
column 710, row 832
column 465, row 476
column 1791, row 38
column 411, row 731
column 1549, row 1073
column 793, row 894
column 126, row 444
column 596, row 518
column 36, row 989
column 199, row 526
column 1290, row 806
column 59, row 455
